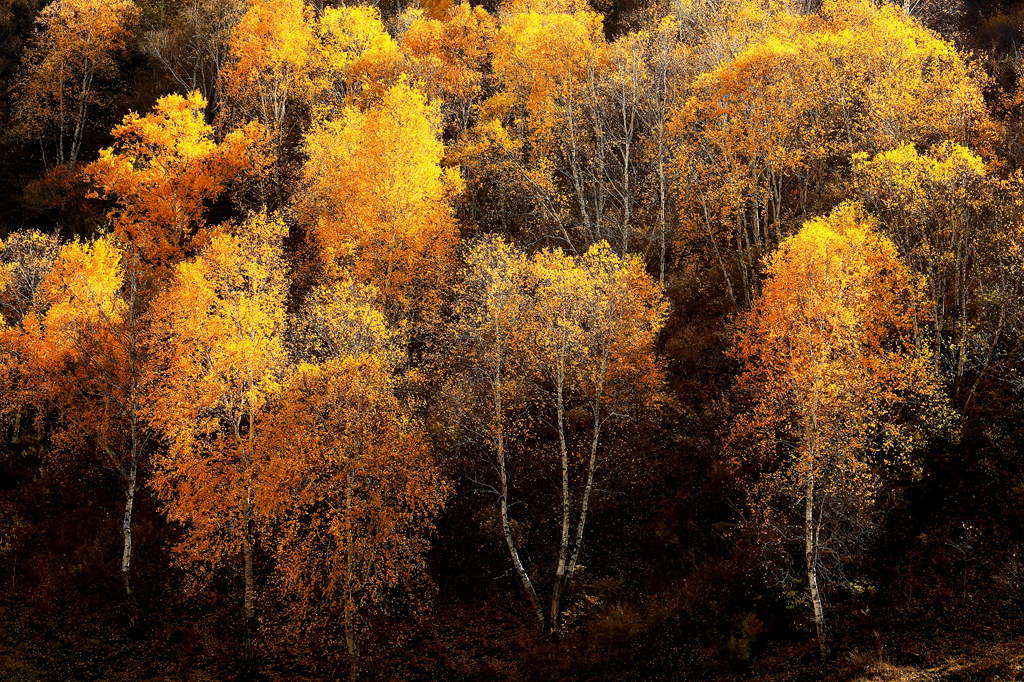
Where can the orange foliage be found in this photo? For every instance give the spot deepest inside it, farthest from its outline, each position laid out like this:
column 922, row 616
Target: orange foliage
column 163, row 170
column 378, row 201
column 219, row 363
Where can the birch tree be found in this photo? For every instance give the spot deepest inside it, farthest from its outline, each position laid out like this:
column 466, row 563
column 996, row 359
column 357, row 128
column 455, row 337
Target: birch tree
column 840, row 385
column 71, row 55
column 219, row 336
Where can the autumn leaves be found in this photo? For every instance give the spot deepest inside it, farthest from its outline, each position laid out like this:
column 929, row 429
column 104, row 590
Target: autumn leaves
column 354, row 243
column 285, row 431
column 550, row 335
column 841, row 385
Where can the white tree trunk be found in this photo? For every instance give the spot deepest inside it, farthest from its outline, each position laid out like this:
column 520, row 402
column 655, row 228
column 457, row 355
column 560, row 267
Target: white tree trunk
column 126, row 529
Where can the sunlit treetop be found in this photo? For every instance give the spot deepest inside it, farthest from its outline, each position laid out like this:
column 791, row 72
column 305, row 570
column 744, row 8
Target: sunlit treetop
column 378, row 200
column 448, row 54
column 83, row 286
column 543, row 54
column 164, row 168
column 272, row 53
column 358, row 58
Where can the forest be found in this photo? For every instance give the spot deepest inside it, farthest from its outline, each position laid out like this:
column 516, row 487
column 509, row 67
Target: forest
column 520, row 340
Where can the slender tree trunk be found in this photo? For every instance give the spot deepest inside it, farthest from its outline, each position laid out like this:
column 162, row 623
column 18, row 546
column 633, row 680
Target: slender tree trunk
column 811, row 543
column 126, row 528
column 506, row 528
column 587, row 490
column 811, row 555
column 250, row 582
column 350, row 636
column 563, row 547
column 662, row 220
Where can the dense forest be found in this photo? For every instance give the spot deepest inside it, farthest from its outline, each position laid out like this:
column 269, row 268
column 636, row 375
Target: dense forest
column 530, row 339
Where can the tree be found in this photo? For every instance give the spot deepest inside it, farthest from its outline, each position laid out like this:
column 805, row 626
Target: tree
column 659, row 92
column 163, row 170
column 449, row 57
column 78, row 357
column 26, row 257
column 483, row 355
column 561, row 333
column 956, row 222
column 194, row 45
column 764, row 133
column 351, row 488
column 73, row 51
column 268, row 77
column 841, row 389
column 94, row 332
column 220, row 358
column 938, row 209
column 547, row 60
column 358, row 60
column 597, row 317
column 377, row 200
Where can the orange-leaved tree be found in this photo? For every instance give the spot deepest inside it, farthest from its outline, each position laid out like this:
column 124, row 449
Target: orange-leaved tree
column 76, row 356
column 162, row 171
column 219, row 335
column 268, row 78
column 94, row 331
column 449, row 56
column 350, row 487
column 26, row 258
column 839, row 381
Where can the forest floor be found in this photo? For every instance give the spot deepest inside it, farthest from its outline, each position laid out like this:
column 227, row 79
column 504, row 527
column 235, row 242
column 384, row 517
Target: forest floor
column 970, row 660
column 987, row 653
column 35, row 649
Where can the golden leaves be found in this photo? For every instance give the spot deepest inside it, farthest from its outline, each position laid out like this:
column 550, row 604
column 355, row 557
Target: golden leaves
column 162, row 170
column 377, row 199
column 830, row 355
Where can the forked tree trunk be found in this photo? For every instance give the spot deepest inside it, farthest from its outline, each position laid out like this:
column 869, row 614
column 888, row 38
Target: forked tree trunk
column 506, row 528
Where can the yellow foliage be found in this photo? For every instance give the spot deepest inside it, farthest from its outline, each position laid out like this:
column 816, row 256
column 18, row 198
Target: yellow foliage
column 378, row 200
column 358, row 60
column 163, row 169
column 271, row 60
